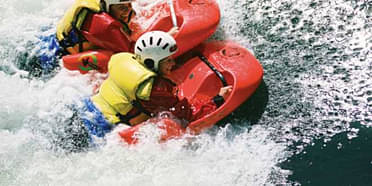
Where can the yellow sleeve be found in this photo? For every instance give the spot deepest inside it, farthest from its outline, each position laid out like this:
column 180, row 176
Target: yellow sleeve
column 144, row 89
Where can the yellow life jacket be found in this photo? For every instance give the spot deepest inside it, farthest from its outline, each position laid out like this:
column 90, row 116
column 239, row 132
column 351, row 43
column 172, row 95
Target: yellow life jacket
column 128, row 80
column 74, row 19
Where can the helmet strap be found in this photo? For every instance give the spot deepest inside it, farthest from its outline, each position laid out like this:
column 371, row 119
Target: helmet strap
column 150, row 63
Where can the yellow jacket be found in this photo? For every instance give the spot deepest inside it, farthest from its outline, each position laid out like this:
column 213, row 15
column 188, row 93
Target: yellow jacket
column 74, row 19
column 127, row 81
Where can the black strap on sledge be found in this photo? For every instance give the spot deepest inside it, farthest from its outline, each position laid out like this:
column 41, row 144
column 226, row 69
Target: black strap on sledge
column 218, row 73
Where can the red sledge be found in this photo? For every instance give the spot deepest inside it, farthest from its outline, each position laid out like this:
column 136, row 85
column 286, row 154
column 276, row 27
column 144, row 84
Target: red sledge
column 205, row 70
column 196, row 19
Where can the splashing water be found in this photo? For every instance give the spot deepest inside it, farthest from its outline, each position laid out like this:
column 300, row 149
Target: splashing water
column 317, row 61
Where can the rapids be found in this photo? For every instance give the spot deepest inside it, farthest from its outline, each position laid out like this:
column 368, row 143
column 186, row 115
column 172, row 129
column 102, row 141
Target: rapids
column 312, row 111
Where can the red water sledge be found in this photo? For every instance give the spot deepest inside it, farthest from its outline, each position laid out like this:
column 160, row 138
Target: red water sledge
column 196, row 19
column 204, row 71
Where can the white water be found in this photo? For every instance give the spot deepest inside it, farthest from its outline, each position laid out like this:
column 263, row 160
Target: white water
column 220, row 157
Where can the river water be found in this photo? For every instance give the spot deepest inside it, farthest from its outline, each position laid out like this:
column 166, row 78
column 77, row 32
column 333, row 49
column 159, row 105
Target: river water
column 307, row 124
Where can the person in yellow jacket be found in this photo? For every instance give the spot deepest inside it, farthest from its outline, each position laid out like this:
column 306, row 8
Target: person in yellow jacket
column 131, row 78
column 80, row 18
column 87, row 25
column 136, row 88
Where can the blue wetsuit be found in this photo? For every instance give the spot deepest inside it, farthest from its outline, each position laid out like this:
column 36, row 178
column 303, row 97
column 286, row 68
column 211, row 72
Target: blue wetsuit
column 93, row 119
column 49, row 52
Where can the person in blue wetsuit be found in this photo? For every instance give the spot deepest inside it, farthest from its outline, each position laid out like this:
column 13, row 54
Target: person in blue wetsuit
column 69, row 39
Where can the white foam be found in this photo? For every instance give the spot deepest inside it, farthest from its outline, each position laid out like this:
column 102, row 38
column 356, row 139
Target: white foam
column 223, row 158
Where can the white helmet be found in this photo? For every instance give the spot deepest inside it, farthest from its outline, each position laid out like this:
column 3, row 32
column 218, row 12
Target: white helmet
column 115, row 2
column 154, row 46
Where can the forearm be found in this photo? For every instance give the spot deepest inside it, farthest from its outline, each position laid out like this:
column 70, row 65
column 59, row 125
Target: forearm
column 218, row 100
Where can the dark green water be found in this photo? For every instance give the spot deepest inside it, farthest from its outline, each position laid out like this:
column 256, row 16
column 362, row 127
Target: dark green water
column 338, row 162
column 317, row 90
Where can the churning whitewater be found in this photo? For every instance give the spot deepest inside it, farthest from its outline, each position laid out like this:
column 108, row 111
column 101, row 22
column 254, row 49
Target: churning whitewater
column 317, row 84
